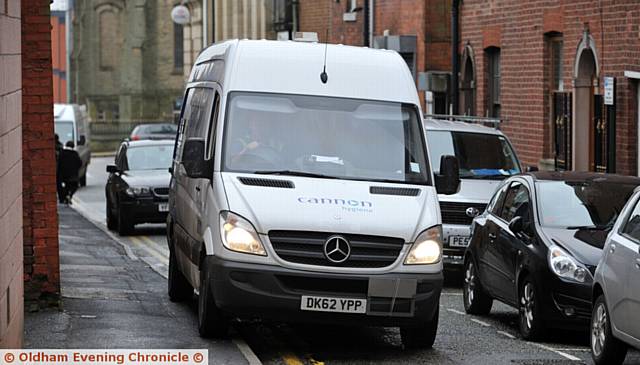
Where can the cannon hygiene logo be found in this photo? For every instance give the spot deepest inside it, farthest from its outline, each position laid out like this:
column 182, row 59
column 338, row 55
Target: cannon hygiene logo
column 348, row 205
column 106, row 357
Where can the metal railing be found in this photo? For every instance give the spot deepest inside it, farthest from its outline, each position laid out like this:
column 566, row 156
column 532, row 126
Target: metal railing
column 494, row 122
column 106, row 136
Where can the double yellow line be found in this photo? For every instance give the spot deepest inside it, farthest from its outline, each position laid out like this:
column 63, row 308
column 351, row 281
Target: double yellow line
column 148, row 245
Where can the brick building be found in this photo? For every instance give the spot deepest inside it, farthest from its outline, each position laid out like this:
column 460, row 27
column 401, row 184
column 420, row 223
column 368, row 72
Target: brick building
column 541, row 65
column 28, row 218
column 59, row 14
column 420, row 30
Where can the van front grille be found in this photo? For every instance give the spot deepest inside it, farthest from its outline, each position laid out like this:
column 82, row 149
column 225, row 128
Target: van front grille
column 304, row 247
column 456, row 213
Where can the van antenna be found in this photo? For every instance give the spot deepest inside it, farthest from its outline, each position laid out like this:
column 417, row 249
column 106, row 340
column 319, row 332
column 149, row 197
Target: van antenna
column 323, row 76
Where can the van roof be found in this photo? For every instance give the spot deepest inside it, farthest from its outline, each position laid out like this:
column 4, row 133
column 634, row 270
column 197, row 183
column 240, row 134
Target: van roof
column 63, row 112
column 448, row 125
column 294, row 68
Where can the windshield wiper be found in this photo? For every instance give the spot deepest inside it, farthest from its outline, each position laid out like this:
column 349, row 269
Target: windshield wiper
column 294, row 173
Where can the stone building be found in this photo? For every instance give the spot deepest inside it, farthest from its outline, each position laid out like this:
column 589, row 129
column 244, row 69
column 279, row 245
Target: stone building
column 128, row 60
column 29, row 264
column 541, row 66
column 417, row 29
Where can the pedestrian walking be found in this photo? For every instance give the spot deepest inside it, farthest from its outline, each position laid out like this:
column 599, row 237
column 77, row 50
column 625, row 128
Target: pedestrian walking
column 69, row 164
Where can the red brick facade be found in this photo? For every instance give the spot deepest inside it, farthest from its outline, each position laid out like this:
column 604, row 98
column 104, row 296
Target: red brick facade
column 522, row 31
column 41, row 260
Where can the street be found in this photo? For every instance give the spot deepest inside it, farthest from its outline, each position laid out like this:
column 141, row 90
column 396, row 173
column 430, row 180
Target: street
column 462, row 339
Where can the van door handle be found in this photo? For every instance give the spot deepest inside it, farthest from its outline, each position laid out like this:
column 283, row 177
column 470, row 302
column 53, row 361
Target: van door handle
column 612, row 248
column 198, row 189
column 638, row 264
column 492, row 236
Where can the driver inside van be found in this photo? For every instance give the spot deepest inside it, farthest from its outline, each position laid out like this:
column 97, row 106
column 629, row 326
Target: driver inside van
column 253, row 140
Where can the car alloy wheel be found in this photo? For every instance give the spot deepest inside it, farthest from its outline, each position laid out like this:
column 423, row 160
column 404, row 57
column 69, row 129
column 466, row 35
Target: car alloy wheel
column 470, row 283
column 475, row 299
column 528, row 302
column 598, row 329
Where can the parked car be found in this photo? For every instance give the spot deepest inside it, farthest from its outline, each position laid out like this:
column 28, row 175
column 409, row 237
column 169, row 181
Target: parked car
column 615, row 321
column 486, row 158
column 537, row 245
column 137, row 189
column 71, row 123
column 309, row 200
column 154, row 131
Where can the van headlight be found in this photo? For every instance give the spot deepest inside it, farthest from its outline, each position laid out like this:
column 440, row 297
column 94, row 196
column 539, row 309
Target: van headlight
column 427, row 249
column 239, row 235
column 565, row 266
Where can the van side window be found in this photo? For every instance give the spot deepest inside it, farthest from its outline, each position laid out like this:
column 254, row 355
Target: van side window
column 186, row 111
column 197, row 114
column 213, row 125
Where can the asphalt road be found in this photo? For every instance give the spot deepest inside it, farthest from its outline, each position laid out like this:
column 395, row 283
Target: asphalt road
column 462, row 339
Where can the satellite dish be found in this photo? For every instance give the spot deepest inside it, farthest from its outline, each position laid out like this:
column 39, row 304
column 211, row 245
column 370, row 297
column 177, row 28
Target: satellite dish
column 180, row 15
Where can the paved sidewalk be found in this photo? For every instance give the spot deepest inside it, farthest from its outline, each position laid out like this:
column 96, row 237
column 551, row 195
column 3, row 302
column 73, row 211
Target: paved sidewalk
column 111, row 301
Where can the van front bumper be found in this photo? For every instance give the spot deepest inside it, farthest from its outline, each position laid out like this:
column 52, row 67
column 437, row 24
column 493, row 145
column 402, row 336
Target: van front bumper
column 247, row 290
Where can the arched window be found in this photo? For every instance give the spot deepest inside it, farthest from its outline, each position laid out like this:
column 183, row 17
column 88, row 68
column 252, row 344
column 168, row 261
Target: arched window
column 109, row 36
column 493, row 81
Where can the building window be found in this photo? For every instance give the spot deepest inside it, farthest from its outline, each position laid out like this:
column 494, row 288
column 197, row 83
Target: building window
column 556, row 45
column 282, row 15
column 109, row 36
column 178, row 47
column 493, row 81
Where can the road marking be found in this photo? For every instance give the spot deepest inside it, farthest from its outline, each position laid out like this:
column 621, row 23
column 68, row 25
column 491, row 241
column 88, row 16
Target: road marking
column 155, row 246
column 246, row 351
column 456, row 311
column 563, row 354
column 507, row 334
column 138, row 242
column 484, row 324
column 585, row 349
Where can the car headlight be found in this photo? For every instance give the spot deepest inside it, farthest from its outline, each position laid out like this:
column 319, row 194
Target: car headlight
column 239, row 235
column 565, row 266
column 133, row 191
column 427, row 249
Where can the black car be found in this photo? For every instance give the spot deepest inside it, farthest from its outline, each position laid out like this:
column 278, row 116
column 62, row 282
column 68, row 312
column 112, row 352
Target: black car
column 154, row 131
column 537, row 245
column 137, row 189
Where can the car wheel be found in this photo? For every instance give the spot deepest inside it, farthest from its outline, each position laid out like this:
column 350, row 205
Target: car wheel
column 83, row 180
column 124, row 224
column 605, row 349
column 111, row 221
column 531, row 326
column 179, row 288
column 211, row 321
column 420, row 337
column 476, row 300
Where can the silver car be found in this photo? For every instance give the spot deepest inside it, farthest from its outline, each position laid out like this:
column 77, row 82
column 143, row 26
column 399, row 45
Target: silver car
column 615, row 322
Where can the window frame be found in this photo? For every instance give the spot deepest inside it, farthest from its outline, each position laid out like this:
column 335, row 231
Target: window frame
column 493, row 78
column 178, row 48
column 627, row 218
column 517, row 184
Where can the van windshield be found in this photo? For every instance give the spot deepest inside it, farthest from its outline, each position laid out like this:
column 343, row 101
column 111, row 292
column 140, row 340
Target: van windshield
column 64, row 130
column 481, row 155
column 324, row 137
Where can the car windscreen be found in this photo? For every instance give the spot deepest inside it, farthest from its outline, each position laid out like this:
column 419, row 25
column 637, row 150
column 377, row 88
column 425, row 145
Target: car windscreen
column 480, row 155
column 324, row 137
column 64, row 130
column 581, row 204
column 152, row 157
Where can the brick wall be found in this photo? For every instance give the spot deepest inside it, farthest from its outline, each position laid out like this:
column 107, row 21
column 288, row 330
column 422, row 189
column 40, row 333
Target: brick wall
column 519, row 28
column 11, row 300
column 41, row 263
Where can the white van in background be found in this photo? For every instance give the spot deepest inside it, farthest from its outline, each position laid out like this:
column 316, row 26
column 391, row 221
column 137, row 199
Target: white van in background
column 71, row 123
column 304, row 192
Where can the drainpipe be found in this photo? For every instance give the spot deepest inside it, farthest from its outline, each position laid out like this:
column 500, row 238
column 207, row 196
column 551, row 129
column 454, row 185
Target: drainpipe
column 455, row 65
column 205, row 23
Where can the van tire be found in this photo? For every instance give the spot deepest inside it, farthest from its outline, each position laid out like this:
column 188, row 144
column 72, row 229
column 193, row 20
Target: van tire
column 111, row 220
column 612, row 350
column 179, row 288
column 420, row 337
column 211, row 321
column 83, row 180
column 124, row 225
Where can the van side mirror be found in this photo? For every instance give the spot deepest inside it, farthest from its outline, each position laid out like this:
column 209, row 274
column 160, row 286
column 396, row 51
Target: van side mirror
column 112, row 169
column 531, row 168
column 448, row 180
column 516, row 225
column 193, row 159
column 82, row 141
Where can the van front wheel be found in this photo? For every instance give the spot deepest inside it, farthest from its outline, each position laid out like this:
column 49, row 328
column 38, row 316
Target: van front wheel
column 211, row 321
column 420, row 337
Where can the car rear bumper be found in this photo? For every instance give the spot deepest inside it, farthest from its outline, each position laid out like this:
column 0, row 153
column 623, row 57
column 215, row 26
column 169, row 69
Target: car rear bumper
column 274, row 293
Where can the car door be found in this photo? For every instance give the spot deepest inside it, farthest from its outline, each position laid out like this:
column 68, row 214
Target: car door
column 485, row 251
column 623, row 284
column 503, row 247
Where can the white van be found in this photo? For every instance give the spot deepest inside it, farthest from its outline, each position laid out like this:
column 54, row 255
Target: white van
column 71, row 123
column 304, row 195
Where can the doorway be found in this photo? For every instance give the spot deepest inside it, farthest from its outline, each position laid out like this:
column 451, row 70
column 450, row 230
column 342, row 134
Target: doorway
column 584, row 108
column 468, row 83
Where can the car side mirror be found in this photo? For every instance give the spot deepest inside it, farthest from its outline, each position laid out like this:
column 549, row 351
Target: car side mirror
column 112, row 169
column 82, row 141
column 193, row 159
column 516, row 225
column 532, row 168
column 448, row 180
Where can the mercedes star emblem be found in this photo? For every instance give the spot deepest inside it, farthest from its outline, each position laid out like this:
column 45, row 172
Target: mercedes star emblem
column 337, row 249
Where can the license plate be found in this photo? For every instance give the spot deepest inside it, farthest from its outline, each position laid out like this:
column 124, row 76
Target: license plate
column 163, row 207
column 327, row 304
column 459, row 241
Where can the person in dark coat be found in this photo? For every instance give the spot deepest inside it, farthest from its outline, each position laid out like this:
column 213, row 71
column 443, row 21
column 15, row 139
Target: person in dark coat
column 58, row 147
column 69, row 164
